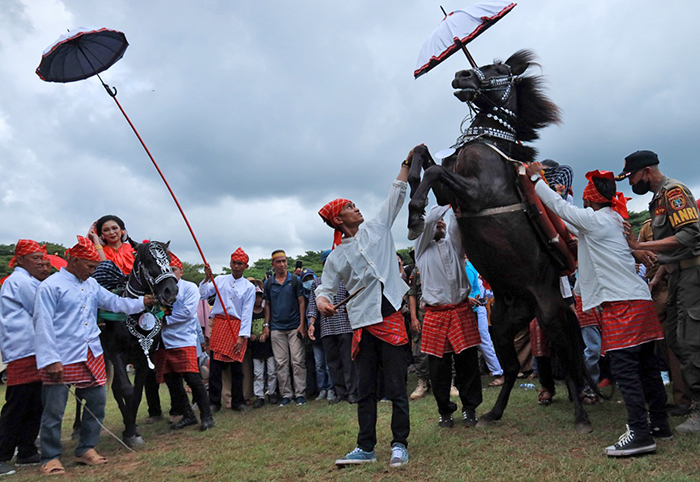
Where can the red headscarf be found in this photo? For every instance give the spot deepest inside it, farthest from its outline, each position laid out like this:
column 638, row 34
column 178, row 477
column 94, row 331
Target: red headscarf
column 329, row 212
column 84, row 249
column 175, row 261
column 618, row 201
column 239, row 255
column 26, row 246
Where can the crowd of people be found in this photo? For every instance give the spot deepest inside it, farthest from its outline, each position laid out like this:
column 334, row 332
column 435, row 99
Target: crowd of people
column 350, row 334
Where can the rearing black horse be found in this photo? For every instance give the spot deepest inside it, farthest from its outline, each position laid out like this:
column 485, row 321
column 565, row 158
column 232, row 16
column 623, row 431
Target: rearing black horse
column 123, row 340
column 479, row 181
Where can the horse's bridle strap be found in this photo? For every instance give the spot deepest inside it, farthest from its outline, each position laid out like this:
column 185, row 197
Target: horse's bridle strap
column 491, row 211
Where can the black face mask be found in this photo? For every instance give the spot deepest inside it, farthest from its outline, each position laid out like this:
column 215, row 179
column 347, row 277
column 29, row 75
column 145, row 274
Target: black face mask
column 641, row 188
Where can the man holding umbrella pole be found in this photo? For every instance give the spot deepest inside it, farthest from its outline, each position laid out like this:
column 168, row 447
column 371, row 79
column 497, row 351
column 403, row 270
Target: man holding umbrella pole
column 364, row 258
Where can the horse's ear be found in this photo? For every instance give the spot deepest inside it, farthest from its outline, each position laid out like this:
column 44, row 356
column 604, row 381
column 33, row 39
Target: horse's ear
column 520, row 61
column 167, row 245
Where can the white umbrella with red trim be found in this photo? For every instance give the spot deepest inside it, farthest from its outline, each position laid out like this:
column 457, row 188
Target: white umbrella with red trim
column 456, row 30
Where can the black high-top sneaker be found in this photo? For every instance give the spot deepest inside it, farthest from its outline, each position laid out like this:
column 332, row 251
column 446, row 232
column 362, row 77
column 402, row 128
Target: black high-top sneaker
column 632, row 443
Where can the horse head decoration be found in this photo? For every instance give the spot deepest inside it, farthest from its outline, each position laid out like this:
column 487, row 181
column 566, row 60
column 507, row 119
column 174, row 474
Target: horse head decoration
column 478, row 178
column 152, row 274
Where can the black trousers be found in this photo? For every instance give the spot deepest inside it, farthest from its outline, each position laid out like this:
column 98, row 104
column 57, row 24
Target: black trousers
column 20, row 421
column 636, row 371
column 467, row 380
column 178, row 395
column 393, row 360
column 338, row 350
column 216, row 368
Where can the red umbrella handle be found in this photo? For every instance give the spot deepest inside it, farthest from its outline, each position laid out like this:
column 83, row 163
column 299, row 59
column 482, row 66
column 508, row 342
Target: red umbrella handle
column 113, row 94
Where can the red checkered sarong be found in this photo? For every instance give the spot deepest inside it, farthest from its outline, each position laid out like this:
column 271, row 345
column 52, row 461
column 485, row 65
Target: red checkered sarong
column 449, row 329
column 625, row 324
column 90, row 373
column 587, row 318
column 224, row 334
column 538, row 342
column 22, row 371
column 176, row 360
column 391, row 329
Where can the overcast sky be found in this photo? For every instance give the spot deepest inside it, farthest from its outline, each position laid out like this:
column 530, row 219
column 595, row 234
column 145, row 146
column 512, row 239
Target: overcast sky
column 260, row 112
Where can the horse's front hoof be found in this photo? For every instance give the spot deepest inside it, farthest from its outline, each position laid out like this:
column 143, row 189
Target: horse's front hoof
column 584, row 427
column 134, row 441
column 485, row 420
column 415, row 229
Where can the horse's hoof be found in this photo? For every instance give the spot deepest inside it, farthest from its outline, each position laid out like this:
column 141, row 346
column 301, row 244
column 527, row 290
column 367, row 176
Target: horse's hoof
column 134, row 441
column 584, row 427
column 75, row 436
column 484, row 422
column 415, row 231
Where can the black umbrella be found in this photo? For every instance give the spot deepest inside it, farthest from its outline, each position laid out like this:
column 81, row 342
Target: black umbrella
column 86, row 52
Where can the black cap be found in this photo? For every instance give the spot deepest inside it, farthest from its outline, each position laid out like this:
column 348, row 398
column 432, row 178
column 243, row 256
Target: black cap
column 636, row 161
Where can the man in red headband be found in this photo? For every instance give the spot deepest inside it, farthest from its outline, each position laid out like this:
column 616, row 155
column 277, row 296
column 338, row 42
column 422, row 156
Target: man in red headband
column 229, row 334
column 607, row 279
column 68, row 351
column 177, row 359
column 21, row 414
column 365, row 259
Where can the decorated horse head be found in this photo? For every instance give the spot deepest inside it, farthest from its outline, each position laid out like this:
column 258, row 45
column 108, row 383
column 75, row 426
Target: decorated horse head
column 478, row 178
column 152, row 273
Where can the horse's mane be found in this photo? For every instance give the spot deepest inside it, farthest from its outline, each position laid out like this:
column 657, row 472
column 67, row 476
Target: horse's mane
column 534, row 108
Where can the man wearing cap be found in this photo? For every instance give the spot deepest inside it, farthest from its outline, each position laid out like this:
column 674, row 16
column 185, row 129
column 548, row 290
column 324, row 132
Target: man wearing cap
column 450, row 329
column 364, row 258
column 674, row 223
column 607, row 279
column 230, row 329
column 21, row 414
column 285, row 324
column 177, row 359
column 68, row 351
column 335, row 334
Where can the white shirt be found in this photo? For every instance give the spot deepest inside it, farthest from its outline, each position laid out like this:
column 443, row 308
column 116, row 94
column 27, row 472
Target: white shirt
column 182, row 326
column 239, row 295
column 368, row 260
column 65, row 317
column 16, row 310
column 606, row 269
column 443, row 280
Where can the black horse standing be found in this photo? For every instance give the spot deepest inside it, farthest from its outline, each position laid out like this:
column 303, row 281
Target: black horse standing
column 123, row 340
column 479, row 181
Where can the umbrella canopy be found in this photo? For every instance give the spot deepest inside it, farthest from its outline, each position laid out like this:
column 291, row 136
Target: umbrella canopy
column 80, row 54
column 456, row 30
column 56, row 261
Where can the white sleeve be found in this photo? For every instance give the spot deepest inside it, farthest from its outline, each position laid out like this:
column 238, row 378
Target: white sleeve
column 582, row 219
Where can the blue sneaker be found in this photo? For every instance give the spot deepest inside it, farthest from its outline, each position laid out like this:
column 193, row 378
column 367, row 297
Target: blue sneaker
column 399, row 455
column 300, row 401
column 357, row 456
column 285, row 401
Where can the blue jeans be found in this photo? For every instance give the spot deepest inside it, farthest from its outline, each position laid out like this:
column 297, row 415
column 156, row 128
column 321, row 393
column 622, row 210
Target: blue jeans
column 591, row 355
column 55, row 398
column 323, row 375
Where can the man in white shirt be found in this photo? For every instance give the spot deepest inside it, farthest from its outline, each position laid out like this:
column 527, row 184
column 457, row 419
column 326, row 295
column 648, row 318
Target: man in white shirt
column 365, row 258
column 21, row 414
column 229, row 336
column 177, row 359
column 68, row 351
column 450, row 328
column 607, row 278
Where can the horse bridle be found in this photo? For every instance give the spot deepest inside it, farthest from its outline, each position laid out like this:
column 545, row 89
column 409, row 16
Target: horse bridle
column 141, row 275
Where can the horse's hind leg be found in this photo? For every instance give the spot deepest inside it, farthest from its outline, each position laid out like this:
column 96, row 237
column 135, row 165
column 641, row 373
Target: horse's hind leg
column 507, row 320
column 78, row 420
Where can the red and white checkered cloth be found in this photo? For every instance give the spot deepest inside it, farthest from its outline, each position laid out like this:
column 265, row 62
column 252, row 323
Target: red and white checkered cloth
column 22, row 371
column 176, row 360
column 587, row 318
column 224, row 334
column 449, row 329
column 625, row 324
column 538, row 343
column 391, row 330
column 87, row 374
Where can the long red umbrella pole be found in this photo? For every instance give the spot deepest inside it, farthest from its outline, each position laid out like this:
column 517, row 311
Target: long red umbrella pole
column 113, row 94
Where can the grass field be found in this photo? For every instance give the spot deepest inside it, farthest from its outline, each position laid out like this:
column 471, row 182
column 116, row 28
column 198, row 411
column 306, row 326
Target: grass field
column 531, row 443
